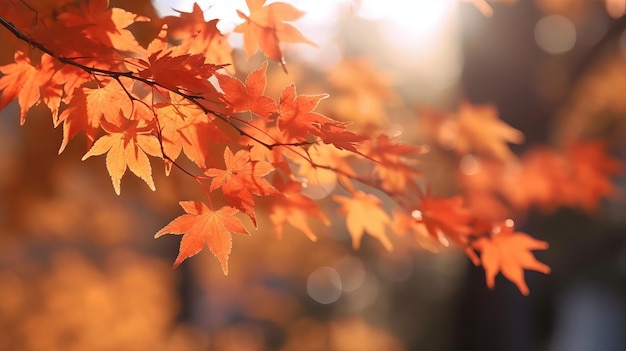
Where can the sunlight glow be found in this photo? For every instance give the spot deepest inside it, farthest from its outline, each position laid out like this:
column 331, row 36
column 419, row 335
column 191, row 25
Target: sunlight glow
column 418, row 37
column 417, row 18
column 421, row 38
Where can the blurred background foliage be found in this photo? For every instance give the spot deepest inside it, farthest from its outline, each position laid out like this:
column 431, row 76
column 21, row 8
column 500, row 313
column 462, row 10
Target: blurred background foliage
column 79, row 269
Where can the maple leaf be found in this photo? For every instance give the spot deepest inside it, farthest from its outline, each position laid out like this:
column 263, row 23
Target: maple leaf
column 127, row 148
column 265, row 28
column 509, row 252
column 577, row 177
column 206, row 38
column 174, row 68
column 99, row 103
column 296, row 117
column 403, row 223
column 200, row 226
column 279, row 156
column 342, row 138
column 87, row 108
column 64, row 42
column 186, row 23
column 592, row 169
column 70, row 78
column 364, row 214
column 477, row 128
column 23, row 81
column 542, row 179
column 444, row 217
column 248, row 97
column 294, row 208
column 185, row 127
column 107, row 27
column 241, row 179
column 323, row 167
column 394, row 165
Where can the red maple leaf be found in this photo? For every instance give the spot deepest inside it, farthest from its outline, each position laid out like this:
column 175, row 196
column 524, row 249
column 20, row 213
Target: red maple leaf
column 241, row 179
column 202, row 225
column 509, row 252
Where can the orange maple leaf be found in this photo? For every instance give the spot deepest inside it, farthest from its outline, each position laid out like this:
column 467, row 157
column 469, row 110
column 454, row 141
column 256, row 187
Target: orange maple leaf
column 127, row 148
column 296, row 117
column 577, row 177
column 477, row 129
column 248, row 97
column 335, row 133
column 265, row 28
column 323, row 167
column 266, row 132
column 206, row 38
column 395, row 164
column 294, row 208
column 175, row 68
column 186, row 23
column 592, row 169
column 202, row 225
column 107, row 102
column 241, row 179
column 444, row 218
column 509, row 252
column 87, row 108
column 23, row 81
column 403, row 223
column 185, row 127
column 364, row 214
column 107, row 27
column 77, row 34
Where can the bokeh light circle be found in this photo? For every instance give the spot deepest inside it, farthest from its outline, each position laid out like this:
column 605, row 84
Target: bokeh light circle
column 324, row 285
column 555, row 34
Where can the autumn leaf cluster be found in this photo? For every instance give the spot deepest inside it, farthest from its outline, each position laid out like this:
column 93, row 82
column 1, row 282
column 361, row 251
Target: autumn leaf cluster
column 177, row 98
